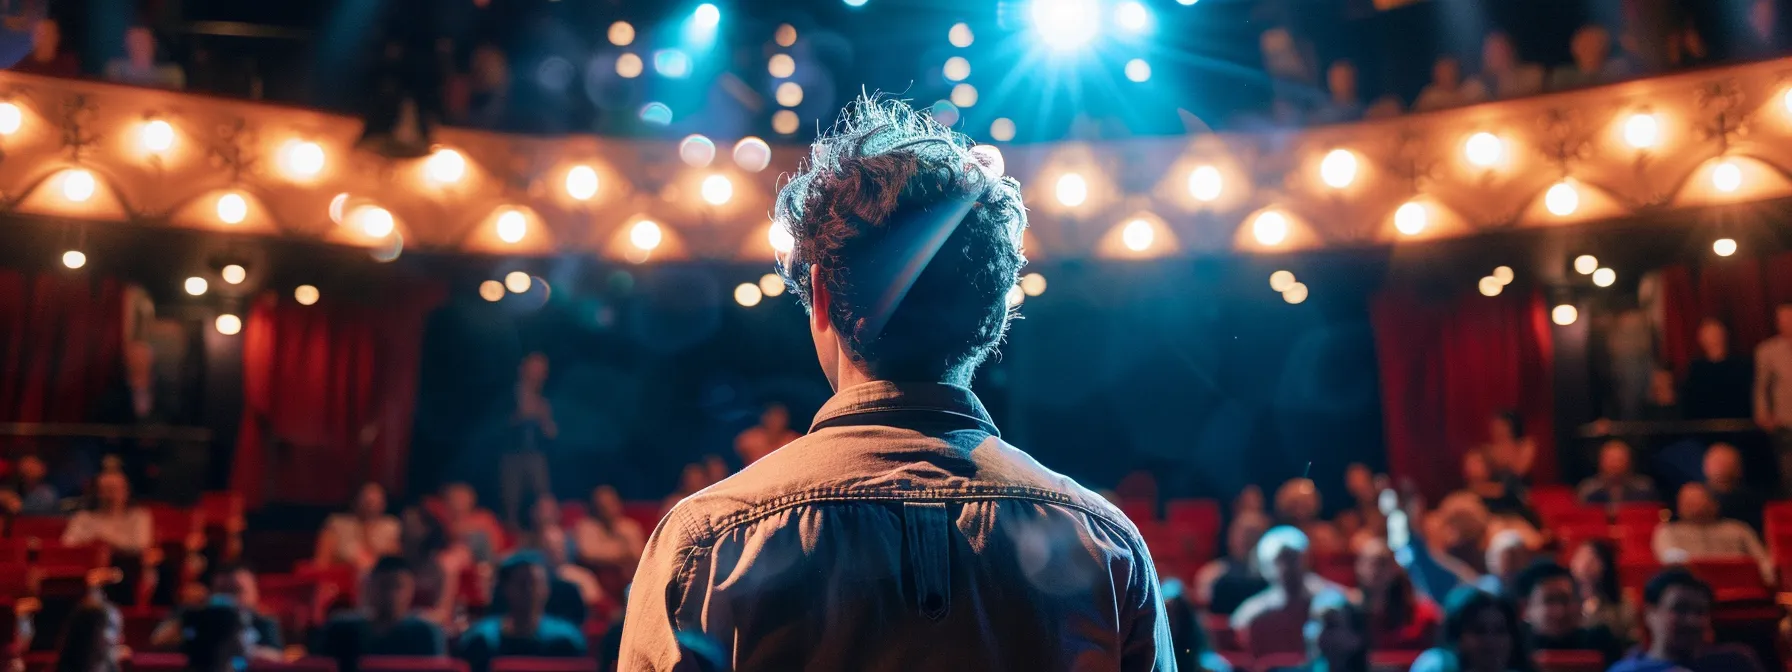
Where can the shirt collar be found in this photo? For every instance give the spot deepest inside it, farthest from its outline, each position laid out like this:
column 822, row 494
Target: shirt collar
column 881, row 396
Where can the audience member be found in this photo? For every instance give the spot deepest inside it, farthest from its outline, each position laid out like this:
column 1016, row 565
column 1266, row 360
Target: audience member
column 1761, row 38
column 547, row 537
column 1663, row 402
column 1616, row 482
column 1461, row 544
column 92, row 640
column 523, row 466
column 1363, row 520
column 1270, row 621
column 1595, row 568
column 1225, row 583
column 233, row 586
column 1548, row 598
column 1298, row 505
column 1480, row 634
column 1249, row 504
column 523, row 627
column 119, row 524
column 1292, row 74
column 1717, row 382
column 1509, row 452
column 772, row 432
column 139, row 66
column 145, row 399
column 692, row 479
column 1593, row 62
column 359, row 537
column 384, row 625
column 715, row 469
column 1193, row 653
column 215, row 638
column 1343, row 104
column 469, row 524
column 1447, row 88
column 47, row 57
column 438, row 563
column 607, row 540
column 1338, row 636
column 1503, row 75
column 1399, row 617
column 1736, row 499
column 1678, row 614
column 1508, row 552
column 1699, row 534
column 486, row 100
column 1773, row 392
column 1502, row 497
column 30, row 489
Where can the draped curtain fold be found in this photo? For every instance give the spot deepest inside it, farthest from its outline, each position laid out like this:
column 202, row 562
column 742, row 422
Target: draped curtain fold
column 1447, row 365
column 60, row 339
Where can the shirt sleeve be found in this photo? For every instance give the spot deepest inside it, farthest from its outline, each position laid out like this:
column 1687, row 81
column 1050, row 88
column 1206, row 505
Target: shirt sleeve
column 79, row 530
column 661, row 598
column 1148, row 647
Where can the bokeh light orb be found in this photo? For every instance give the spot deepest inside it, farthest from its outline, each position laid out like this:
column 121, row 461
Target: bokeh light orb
column 646, row 235
column 1338, row 168
column 1032, row 284
column 1483, row 149
column 1491, row 286
column 1604, row 277
column 337, row 203
column 195, row 286
column 789, row 94
column 305, row 294
column 1016, row 296
column 943, row 111
column 1724, row 246
column 1295, row 294
column 1270, row 228
column 717, row 189
column 1002, row 129
column 1411, row 218
column 77, row 259
column 785, row 122
column 656, row 114
column 752, row 154
column 301, row 159
column 781, row 65
column 707, row 15
column 1065, row 24
column 960, row 35
column 512, row 225
column 491, row 290
column 445, row 166
column 622, row 33
column 1072, row 190
column 1503, row 274
column 1726, row 176
column 629, row 66
column 78, row 185
column 1562, row 199
column 228, row 324
column 518, row 282
column 696, row 151
column 232, row 208
column 771, row 284
column 1564, row 315
column 785, row 35
column 1280, row 281
column 1138, row 71
column 156, row 136
column 957, row 69
column 374, row 221
column 1642, row 130
column 234, row 274
column 748, row 294
column 1585, row 264
column 672, row 63
column 964, row 95
column 12, row 117
column 778, row 236
column 581, row 182
column 1132, row 16
column 1138, row 235
column 1205, row 183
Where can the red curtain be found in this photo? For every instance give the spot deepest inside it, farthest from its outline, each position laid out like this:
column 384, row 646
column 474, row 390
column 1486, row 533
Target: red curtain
column 1740, row 292
column 329, row 393
column 1447, row 366
column 60, row 338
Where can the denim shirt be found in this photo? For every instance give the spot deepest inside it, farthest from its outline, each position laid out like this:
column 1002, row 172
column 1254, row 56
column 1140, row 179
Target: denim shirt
column 900, row 534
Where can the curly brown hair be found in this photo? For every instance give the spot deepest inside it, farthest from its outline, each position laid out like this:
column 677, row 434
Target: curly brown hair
column 915, row 236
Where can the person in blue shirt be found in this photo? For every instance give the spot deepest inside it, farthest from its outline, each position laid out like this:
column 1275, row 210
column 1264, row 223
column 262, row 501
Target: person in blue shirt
column 523, row 628
column 385, row 624
column 1678, row 615
column 36, row 496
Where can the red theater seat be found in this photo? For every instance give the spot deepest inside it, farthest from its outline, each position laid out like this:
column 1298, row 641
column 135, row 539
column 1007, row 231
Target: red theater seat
column 411, row 664
column 1275, row 661
column 1569, row 661
column 1731, row 580
column 306, row 664
column 84, row 557
column 520, row 664
column 1550, row 498
column 48, row 528
column 1392, row 661
column 156, row 662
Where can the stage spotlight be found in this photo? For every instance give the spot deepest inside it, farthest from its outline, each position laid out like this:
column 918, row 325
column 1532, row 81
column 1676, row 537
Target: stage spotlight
column 305, row 294
column 445, row 166
column 581, row 183
column 1483, row 149
column 157, row 136
column 1296, row 293
column 77, row 259
column 301, row 159
column 1132, row 16
column 785, row 35
column 779, row 238
column 789, row 94
column 696, row 150
column 234, row 274
column 1642, row 130
column 491, row 290
column 622, row 33
column 1723, row 247
column 1564, row 315
column 232, row 209
column 1604, row 277
column 78, row 185
column 195, row 285
column 1491, row 286
column 1072, row 190
column 781, row 66
column 957, row 68
column 1138, row 235
column 1562, row 199
column 1065, row 24
column 646, row 235
column 1280, row 281
column 771, row 284
column 960, row 35
column 717, row 189
column 229, row 325
column 785, row 122
column 518, row 282
column 1411, row 218
column 706, row 16
column 748, row 294
column 1205, row 183
column 628, row 66
column 1032, row 284
column 964, row 95
column 1270, row 228
column 512, row 226
column 1585, row 264
column 1503, row 274
column 1338, row 169
column 12, row 117
column 1002, row 129
column 1138, row 70
column 1726, row 176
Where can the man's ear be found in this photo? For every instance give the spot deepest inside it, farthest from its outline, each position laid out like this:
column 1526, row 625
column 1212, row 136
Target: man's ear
column 819, row 301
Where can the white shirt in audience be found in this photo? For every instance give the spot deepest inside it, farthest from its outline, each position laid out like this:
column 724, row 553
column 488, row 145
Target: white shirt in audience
column 129, row 532
column 622, row 543
column 356, row 539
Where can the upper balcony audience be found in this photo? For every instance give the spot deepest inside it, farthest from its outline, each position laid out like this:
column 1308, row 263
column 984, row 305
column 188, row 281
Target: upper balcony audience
column 1503, row 75
column 29, row 492
column 47, row 56
column 1699, row 534
column 1617, row 482
column 1448, row 88
column 1594, row 62
column 140, row 66
column 1679, row 620
column 1718, row 381
column 362, row 536
column 1550, row 601
column 1736, row 499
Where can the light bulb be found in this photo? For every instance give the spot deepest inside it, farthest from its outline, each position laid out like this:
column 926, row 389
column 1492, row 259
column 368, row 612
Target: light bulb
column 374, row 221
column 1642, row 130
column 1138, row 235
column 1491, row 286
column 229, row 325
column 1483, row 149
column 301, row 158
column 445, row 166
column 232, row 208
column 512, row 226
column 1723, row 247
column 78, row 185
column 1503, row 274
column 1205, row 183
column 1562, row 199
column 11, row 118
column 305, row 294
column 1072, row 190
column 1411, row 218
column 1604, row 277
column 645, row 235
column 196, row 285
column 1564, row 315
column 1585, row 264
column 1338, row 169
column 1270, row 228
column 77, row 259
column 1726, row 176
column 234, row 274
column 156, row 137
column 581, row 182
column 717, row 189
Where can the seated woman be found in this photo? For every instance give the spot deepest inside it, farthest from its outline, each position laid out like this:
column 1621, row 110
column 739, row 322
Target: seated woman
column 114, row 521
column 359, row 537
column 1595, row 569
column 1399, row 618
column 607, row 541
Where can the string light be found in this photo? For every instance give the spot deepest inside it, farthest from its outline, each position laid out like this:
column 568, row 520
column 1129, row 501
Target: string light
column 1411, row 218
column 629, row 65
column 1002, row 129
column 748, row 294
column 1585, row 264
column 1491, row 286
column 234, row 274
column 752, row 154
column 960, row 35
column 781, row 66
column 445, row 166
column 491, row 290
column 232, row 208
column 771, row 284
column 1483, row 149
column 964, row 95
column 696, row 150
column 518, row 282
column 1724, row 246
column 78, row 185
column 1032, row 284
column 1338, row 169
column 1138, row 235
column 1726, row 176
column 196, row 286
column 1280, row 281
column 1562, row 199
column 622, row 33
column 229, row 325
column 957, row 68
column 717, row 189
column 77, row 259
column 1072, row 190
column 305, row 294
column 512, row 226
column 1016, row 296
column 1564, row 315
column 785, row 35
column 1642, row 130
column 785, row 122
column 1270, row 228
column 11, row 118
column 789, row 94
column 581, row 182
column 645, row 235
column 301, row 159
column 1205, row 183
column 157, row 136
column 1604, row 277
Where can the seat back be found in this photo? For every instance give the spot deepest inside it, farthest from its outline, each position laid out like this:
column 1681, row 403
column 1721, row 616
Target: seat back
column 48, row 528
column 525, row 664
column 1731, row 579
column 84, row 556
column 156, row 662
column 1569, row 661
column 411, row 664
column 306, row 664
column 1392, row 661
